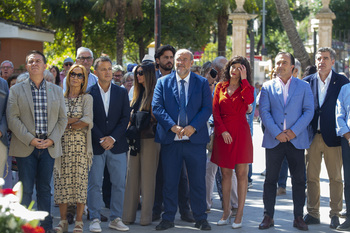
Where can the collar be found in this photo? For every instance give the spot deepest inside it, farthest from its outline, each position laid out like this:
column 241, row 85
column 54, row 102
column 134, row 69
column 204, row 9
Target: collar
column 187, row 79
column 327, row 80
column 101, row 90
column 288, row 82
column 41, row 86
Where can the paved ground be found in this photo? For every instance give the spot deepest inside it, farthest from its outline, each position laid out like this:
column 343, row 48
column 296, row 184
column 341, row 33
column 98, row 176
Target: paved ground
column 253, row 212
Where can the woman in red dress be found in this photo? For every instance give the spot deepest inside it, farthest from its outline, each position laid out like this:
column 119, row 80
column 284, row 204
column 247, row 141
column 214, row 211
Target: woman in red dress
column 233, row 148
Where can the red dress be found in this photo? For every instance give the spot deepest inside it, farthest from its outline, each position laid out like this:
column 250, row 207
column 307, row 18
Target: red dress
column 230, row 115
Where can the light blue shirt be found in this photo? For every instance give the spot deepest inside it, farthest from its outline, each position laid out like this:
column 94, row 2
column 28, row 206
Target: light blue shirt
column 342, row 110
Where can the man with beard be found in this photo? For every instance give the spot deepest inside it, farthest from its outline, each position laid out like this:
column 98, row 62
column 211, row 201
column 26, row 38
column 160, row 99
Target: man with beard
column 164, row 57
column 182, row 105
column 164, row 60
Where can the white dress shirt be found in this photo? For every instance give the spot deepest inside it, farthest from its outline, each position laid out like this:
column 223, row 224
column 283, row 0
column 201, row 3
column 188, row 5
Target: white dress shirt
column 187, row 83
column 106, row 96
column 322, row 91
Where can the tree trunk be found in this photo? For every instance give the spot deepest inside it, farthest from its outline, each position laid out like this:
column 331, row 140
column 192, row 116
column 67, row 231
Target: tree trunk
column 120, row 30
column 294, row 38
column 141, row 44
column 258, row 47
column 78, row 32
column 222, row 30
column 38, row 15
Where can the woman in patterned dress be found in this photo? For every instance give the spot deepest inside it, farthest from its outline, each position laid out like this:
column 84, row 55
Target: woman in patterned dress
column 71, row 169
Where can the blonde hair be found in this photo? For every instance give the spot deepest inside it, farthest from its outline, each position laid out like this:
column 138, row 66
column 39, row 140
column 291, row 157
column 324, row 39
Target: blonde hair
column 84, row 85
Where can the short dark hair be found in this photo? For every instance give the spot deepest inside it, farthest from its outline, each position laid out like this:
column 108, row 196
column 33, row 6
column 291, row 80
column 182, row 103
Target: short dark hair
column 331, row 51
column 241, row 60
column 160, row 51
column 35, row 52
column 101, row 59
column 292, row 59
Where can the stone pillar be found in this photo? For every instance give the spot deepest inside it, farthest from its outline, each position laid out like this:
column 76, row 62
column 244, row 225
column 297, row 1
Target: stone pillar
column 325, row 17
column 239, row 29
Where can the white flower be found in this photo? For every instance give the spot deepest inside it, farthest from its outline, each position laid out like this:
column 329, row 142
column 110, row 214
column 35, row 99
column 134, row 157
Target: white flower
column 12, row 224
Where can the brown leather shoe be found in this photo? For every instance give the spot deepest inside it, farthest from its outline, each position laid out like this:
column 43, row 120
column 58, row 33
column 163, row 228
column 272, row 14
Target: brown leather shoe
column 266, row 223
column 300, row 224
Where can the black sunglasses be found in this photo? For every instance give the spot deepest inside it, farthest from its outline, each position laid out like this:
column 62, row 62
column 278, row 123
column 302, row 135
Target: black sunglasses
column 68, row 64
column 80, row 76
column 140, row 73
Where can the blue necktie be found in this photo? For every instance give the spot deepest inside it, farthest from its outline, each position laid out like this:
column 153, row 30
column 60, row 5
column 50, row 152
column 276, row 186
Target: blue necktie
column 182, row 114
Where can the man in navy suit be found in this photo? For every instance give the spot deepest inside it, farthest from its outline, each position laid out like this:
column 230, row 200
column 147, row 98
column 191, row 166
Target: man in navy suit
column 164, row 57
column 111, row 117
column 182, row 105
column 325, row 85
column 286, row 109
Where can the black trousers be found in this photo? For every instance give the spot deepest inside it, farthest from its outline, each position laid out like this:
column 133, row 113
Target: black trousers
column 296, row 163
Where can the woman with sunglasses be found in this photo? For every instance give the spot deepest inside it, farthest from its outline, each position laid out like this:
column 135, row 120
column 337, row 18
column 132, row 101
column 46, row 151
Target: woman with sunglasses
column 142, row 164
column 71, row 169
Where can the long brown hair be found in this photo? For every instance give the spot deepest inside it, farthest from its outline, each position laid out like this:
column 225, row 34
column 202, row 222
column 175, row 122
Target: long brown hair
column 149, row 84
column 84, row 86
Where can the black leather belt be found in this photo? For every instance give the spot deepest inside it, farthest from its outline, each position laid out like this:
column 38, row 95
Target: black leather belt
column 41, row 136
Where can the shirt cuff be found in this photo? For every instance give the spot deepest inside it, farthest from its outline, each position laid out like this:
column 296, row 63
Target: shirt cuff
column 112, row 138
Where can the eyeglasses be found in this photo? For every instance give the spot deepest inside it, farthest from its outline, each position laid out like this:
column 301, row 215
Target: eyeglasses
column 68, row 64
column 84, row 58
column 139, row 73
column 73, row 75
column 117, row 75
column 6, row 67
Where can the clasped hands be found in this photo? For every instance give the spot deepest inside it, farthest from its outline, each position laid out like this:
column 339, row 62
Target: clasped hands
column 41, row 143
column 107, row 142
column 183, row 131
column 286, row 135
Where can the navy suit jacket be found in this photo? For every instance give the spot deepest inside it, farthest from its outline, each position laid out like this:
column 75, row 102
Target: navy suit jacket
column 165, row 106
column 115, row 123
column 327, row 111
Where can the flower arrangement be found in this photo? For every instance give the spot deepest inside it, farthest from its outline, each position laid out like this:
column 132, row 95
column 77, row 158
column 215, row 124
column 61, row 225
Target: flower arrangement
column 15, row 218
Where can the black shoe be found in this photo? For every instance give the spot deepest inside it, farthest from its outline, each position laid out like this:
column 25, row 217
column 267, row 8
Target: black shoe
column 164, row 224
column 188, row 217
column 342, row 214
column 334, row 222
column 345, row 226
column 311, row 220
column 155, row 217
column 203, row 225
column 70, row 218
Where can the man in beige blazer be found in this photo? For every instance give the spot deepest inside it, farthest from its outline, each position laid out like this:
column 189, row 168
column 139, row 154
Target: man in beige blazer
column 37, row 117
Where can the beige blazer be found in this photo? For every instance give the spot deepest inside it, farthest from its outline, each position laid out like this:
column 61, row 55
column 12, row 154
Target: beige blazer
column 20, row 118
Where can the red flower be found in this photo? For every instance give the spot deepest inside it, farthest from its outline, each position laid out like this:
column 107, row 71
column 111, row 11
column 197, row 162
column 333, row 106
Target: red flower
column 27, row 228
column 7, row 191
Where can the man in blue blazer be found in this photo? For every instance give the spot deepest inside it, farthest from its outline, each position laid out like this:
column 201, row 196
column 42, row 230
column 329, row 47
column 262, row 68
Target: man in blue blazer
column 325, row 85
column 286, row 109
column 182, row 105
column 111, row 117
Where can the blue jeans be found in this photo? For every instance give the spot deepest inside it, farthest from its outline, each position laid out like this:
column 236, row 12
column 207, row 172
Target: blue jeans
column 116, row 164
column 37, row 169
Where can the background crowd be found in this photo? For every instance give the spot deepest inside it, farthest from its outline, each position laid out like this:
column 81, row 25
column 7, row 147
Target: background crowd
column 156, row 135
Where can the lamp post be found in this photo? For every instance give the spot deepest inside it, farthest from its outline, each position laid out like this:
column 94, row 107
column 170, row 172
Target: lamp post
column 263, row 50
column 157, row 25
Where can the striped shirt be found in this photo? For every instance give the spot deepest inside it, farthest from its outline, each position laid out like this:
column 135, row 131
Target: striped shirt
column 40, row 106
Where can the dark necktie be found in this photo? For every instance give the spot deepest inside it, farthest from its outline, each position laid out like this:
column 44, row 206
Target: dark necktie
column 182, row 114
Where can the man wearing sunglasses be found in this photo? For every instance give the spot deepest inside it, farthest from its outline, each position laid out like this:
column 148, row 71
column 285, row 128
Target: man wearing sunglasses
column 67, row 64
column 84, row 57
